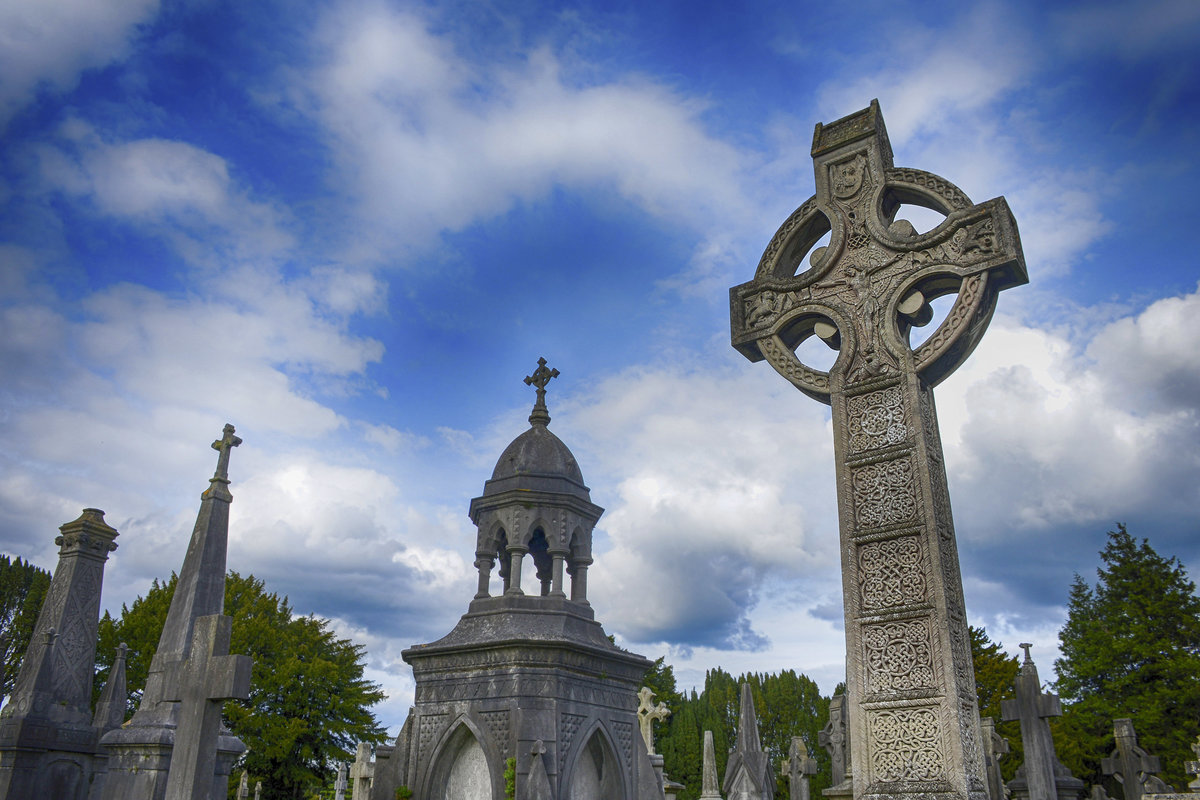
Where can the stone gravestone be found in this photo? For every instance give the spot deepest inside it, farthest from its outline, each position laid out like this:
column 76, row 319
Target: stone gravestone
column 748, row 773
column 708, row 776
column 48, row 744
column 1131, row 766
column 362, row 772
column 258, row 790
column 798, row 766
column 994, row 746
column 833, row 737
column 1193, row 767
column 200, row 684
column 648, row 714
column 912, row 716
column 140, row 752
column 243, row 792
column 339, row 785
column 1041, row 776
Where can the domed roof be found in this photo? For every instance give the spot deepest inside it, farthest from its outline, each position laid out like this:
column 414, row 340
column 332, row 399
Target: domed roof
column 537, row 460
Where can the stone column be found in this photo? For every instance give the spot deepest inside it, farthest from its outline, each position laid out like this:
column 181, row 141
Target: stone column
column 557, row 577
column 579, row 580
column 484, row 564
column 516, row 554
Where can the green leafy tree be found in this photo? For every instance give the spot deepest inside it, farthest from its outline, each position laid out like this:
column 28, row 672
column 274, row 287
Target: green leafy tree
column 309, row 704
column 22, row 591
column 995, row 678
column 1130, row 648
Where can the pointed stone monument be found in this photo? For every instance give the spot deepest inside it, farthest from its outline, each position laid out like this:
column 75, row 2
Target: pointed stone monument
column 258, row 790
column 798, row 767
column 1131, row 766
column 110, row 709
column 748, row 773
column 339, row 785
column 48, row 745
column 709, row 786
column 912, row 712
column 141, row 751
column 1042, row 776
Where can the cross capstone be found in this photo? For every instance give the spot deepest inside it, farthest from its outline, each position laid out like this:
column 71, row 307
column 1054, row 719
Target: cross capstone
column 540, row 377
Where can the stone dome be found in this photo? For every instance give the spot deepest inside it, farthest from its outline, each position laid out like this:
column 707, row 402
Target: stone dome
column 537, row 460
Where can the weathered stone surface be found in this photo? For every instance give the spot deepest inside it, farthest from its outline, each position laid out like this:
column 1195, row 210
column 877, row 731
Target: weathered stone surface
column 526, row 676
column 243, row 792
column 48, row 745
column 1131, row 766
column 912, row 717
column 648, row 714
column 200, row 684
column 140, row 752
column 994, row 746
column 835, row 738
column 339, row 783
column 748, row 772
column 362, row 773
column 1041, row 776
column 709, row 786
column 1193, row 767
column 797, row 767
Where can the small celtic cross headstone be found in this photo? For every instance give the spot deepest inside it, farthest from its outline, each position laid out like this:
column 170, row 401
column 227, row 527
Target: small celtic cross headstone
column 1131, row 766
column 201, row 683
column 798, row 766
column 833, row 738
column 912, row 715
column 362, row 772
column 648, row 713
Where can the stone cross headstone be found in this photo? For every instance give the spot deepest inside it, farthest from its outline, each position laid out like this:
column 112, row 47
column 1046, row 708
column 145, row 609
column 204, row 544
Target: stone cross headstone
column 258, row 790
column 994, row 746
column 243, row 792
column 1041, row 776
column 1131, row 766
column 649, row 713
column 362, row 772
column 833, row 737
column 798, row 766
column 913, row 719
column 1193, row 767
column 201, row 684
column 709, row 786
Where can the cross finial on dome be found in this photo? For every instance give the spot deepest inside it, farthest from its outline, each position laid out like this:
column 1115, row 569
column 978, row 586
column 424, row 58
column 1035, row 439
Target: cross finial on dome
column 540, row 377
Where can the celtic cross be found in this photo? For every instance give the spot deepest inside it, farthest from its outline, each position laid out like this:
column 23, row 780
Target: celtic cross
column 913, row 726
column 648, row 713
column 540, row 377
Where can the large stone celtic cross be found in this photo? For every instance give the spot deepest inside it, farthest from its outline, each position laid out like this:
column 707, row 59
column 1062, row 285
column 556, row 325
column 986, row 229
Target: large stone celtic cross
column 914, row 727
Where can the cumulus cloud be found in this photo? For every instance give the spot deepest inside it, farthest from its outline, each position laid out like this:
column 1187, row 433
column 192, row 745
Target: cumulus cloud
column 48, row 43
column 429, row 141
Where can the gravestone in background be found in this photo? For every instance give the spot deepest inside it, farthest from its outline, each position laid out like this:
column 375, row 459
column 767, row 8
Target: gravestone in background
column 913, row 722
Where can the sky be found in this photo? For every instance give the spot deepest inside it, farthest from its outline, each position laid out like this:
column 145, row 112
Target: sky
column 351, row 228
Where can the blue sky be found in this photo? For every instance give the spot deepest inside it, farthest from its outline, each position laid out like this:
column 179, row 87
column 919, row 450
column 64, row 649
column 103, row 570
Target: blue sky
column 351, row 228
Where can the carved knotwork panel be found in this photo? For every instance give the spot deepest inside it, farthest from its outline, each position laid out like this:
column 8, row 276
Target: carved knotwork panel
column 876, row 419
column 884, row 493
column 972, row 751
column 906, row 745
column 898, row 656
column 891, row 573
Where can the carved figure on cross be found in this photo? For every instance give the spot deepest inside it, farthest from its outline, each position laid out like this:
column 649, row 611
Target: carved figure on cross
column 648, row 713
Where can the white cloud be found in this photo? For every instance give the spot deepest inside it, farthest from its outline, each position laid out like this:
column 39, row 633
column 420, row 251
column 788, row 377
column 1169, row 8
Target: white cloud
column 48, row 43
column 429, row 142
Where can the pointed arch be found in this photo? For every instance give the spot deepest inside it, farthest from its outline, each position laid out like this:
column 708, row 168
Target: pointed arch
column 539, row 550
column 464, row 766
column 594, row 771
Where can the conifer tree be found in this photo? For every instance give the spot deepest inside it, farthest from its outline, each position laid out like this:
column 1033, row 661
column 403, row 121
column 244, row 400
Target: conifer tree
column 1131, row 648
column 22, row 591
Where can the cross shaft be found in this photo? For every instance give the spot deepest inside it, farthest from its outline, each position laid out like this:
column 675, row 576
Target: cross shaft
column 913, row 725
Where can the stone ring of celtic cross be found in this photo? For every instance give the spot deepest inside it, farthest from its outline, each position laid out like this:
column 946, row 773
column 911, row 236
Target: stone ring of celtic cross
column 864, row 292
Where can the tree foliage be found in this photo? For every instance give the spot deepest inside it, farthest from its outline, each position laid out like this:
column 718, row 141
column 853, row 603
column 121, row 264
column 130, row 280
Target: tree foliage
column 1131, row 648
column 309, row 704
column 22, row 591
column 786, row 704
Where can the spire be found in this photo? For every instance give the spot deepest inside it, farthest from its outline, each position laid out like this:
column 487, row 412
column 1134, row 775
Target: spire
column 748, row 772
column 540, row 377
column 747, row 735
column 709, row 789
column 110, row 710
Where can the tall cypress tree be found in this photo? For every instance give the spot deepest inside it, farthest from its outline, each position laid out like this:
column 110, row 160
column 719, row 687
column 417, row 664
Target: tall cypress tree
column 22, row 591
column 1131, row 648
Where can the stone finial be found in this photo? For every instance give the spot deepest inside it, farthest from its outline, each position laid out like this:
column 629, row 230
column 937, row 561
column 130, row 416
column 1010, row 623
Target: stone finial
column 710, row 788
column 538, row 787
column 798, row 767
column 540, row 377
column 110, row 709
column 648, row 713
column 1193, row 767
column 223, row 446
column 1131, row 766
